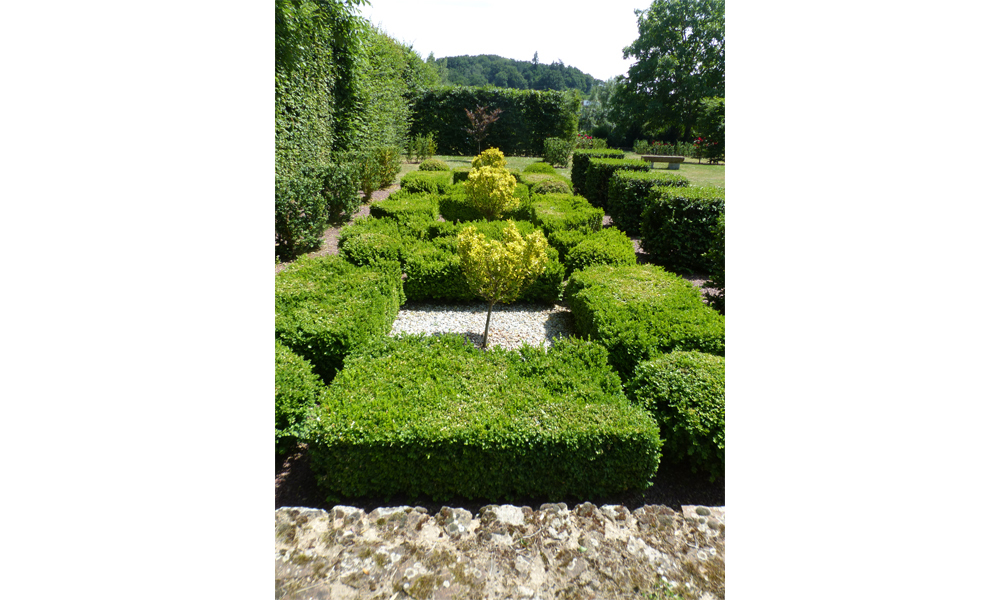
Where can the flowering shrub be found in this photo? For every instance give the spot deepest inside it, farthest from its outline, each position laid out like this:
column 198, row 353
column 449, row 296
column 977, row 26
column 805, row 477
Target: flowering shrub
column 588, row 142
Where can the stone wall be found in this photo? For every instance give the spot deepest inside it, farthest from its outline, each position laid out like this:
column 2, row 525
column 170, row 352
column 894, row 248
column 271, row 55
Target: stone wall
column 504, row 552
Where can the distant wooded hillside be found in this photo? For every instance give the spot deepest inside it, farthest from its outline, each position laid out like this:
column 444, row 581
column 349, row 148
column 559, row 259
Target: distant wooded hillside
column 490, row 69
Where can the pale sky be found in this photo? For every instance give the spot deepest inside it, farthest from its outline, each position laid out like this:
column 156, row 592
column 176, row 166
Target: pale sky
column 586, row 34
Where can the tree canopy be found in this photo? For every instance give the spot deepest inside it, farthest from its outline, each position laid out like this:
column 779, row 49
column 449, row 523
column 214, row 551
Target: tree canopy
column 490, row 69
column 681, row 59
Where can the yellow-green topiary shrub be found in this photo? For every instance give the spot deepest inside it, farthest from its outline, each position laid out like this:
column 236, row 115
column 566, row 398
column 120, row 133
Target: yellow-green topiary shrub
column 491, row 157
column 491, row 191
column 500, row 270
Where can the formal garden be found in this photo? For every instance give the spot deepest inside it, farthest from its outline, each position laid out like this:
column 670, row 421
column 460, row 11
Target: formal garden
column 487, row 198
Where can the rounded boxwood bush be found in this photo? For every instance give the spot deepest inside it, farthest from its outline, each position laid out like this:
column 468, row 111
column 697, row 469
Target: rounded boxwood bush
column 539, row 167
column 434, row 164
column 686, row 393
column 296, row 389
column 606, row 247
column 551, row 186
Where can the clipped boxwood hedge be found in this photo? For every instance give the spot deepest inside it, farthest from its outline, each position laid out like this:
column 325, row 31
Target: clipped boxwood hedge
column 606, row 247
column 642, row 311
column 566, row 239
column 426, row 182
column 436, row 416
column 677, row 226
column 686, row 393
column 403, row 206
column 539, row 167
column 434, row 164
column 453, row 207
column 369, row 241
column 434, row 271
column 599, row 172
column 557, row 212
column 628, row 195
column 581, row 159
column 326, row 307
column 296, row 390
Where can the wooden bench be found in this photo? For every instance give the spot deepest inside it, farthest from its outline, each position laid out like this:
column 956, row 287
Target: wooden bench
column 673, row 162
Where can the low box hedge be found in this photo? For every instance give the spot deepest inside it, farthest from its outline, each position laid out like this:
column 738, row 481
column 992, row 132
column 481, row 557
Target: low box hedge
column 296, row 390
column 686, row 393
column 628, row 195
column 428, row 182
column 326, row 307
column 453, row 207
column 404, row 207
column 606, row 247
column 556, row 212
column 539, row 167
column 581, row 159
column 435, row 416
column 640, row 312
column 433, row 268
column 565, row 240
column 532, row 180
column 599, row 172
column 370, row 240
column 678, row 226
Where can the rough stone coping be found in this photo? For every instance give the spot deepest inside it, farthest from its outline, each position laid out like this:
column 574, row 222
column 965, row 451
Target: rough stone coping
column 660, row 158
column 552, row 553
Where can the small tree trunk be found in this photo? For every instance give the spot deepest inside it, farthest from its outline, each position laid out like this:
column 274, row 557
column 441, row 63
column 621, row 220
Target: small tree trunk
column 486, row 334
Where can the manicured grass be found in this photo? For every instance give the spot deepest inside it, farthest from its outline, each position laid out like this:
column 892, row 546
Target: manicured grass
column 698, row 174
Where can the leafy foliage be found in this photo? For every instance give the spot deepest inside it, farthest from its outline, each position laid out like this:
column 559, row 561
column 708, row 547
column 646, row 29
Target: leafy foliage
column 435, row 416
column 296, row 390
column 556, row 212
column 300, row 214
column 608, row 246
column 711, row 126
column 490, row 69
column 339, row 182
column 325, row 307
column 680, row 59
column 499, row 271
column 528, row 118
column 480, row 122
column 715, row 259
column 599, row 172
column 434, row 164
column 677, row 226
column 420, row 147
column 581, row 160
column 492, row 157
column 686, row 393
column 539, row 167
column 426, row 182
column 557, row 151
column 490, row 189
column 642, row 311
column 628, row 195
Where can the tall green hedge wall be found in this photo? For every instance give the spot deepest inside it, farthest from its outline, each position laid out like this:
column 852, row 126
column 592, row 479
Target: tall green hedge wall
column 528, row 118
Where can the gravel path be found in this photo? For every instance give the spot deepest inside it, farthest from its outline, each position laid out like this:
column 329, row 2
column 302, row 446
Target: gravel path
column 510, row 325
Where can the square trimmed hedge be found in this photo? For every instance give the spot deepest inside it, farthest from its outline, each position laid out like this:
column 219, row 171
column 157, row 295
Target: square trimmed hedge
column 599, row 172
column 678, row 226
column 434, row 415
column 557, row 212
column 640, row 312
column 403, row 206
column 429, row 182
column 628, row 196
column 581, row 159
column 326, row 307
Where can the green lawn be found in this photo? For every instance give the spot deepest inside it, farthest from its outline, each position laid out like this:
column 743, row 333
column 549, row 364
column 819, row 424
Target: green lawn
column 698, row 174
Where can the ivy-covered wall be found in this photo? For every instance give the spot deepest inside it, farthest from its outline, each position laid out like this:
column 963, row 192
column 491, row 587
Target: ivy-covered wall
column 528, row 118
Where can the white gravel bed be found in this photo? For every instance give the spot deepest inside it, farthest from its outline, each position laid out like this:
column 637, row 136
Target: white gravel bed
column 510, row 325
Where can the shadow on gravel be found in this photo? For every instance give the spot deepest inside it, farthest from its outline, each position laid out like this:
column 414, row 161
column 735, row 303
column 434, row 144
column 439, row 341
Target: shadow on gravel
column 295, row 485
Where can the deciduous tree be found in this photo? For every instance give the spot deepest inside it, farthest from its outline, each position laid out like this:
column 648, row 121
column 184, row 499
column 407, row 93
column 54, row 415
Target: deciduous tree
column 681, row 59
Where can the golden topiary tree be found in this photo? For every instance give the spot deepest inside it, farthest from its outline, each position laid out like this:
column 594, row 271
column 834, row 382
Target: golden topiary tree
column 500, row 271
